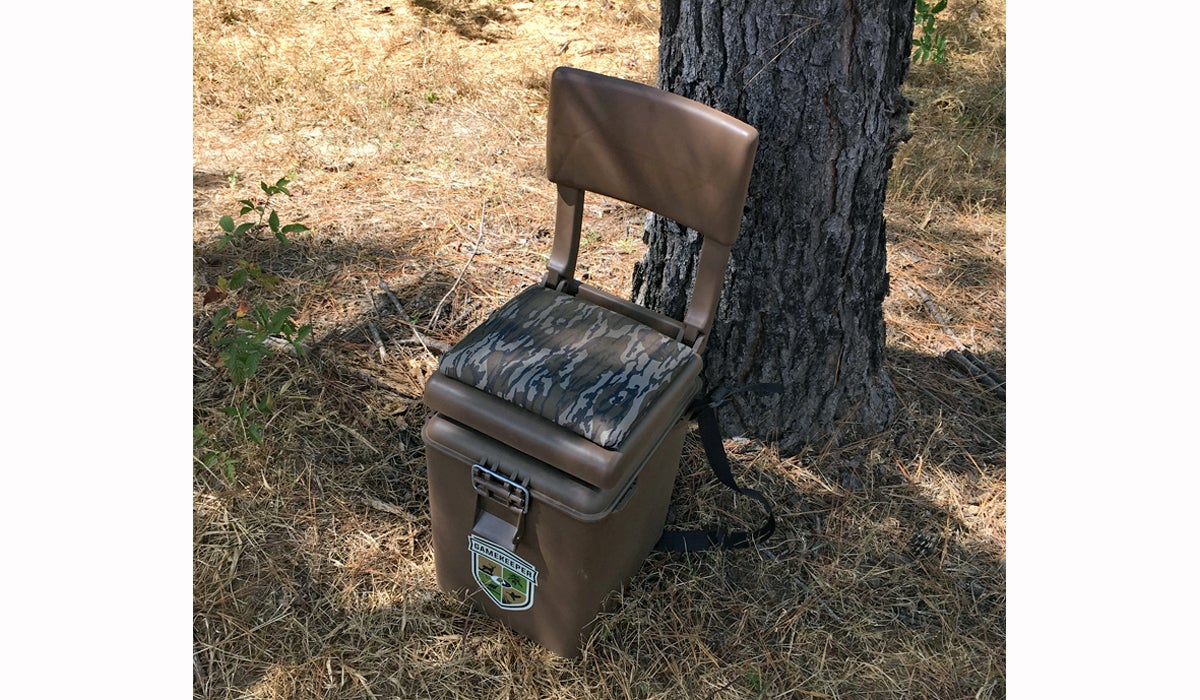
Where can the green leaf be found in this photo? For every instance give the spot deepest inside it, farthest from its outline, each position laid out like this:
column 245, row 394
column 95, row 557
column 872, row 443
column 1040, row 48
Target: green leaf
column 238, row 279
column 256, row 432
column 229, row 471
column 263, row 315
column 247, row 324
column 282, row 237
column 241, row 230
column 266, row 188
column 273, row 221
column 938, row 7
column 294, row 228
column 268, row 281
column 279, row 319
column 227, row 224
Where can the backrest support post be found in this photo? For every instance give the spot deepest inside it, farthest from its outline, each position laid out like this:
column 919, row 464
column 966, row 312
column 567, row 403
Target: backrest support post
column 567, row 224
column 706, row 293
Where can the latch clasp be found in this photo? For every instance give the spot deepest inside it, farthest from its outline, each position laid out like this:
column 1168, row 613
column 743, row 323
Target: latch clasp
column 500, row 489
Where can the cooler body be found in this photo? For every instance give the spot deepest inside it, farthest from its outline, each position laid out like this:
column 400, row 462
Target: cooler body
column 574, row 543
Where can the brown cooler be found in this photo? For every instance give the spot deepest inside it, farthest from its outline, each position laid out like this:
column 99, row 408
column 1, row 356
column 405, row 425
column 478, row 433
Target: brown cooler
column 556, row 426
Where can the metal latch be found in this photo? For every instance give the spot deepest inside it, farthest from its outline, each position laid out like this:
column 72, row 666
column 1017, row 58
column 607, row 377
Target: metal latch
column 503, row 490
column 500, row 488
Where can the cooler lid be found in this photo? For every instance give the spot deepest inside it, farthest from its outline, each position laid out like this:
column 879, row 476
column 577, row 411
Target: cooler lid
column 578, row 386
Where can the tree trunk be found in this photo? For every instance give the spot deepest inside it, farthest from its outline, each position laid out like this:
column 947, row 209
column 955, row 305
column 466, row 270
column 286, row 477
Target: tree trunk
column 803, row 297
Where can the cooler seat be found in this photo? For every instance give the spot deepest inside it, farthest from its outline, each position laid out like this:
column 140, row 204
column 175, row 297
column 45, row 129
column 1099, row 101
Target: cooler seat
column 581, row 366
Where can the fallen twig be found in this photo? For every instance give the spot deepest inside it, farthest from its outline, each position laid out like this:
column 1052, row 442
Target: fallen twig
column 286, row 346
column 380, row 384
column 995, row 374
column 392, row 296
column 386, row 507
column 378, row 340
column 425, row 341
column 933, row 309
column 429, row 343
column 438, row 309
column 975, row 368
column 468, row 307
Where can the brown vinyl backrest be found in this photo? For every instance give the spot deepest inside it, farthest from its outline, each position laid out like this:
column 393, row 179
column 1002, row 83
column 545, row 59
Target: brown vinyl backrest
column 662, row 152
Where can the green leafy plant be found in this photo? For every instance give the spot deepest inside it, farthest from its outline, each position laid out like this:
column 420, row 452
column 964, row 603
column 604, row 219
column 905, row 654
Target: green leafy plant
column 247, row 271
column 234, row 230
column 248, row 413
column 931, row 45
column 245, row 328
column 241, row 334
column 213, row 460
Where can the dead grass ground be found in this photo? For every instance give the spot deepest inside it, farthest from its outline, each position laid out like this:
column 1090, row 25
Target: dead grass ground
column 415, row 132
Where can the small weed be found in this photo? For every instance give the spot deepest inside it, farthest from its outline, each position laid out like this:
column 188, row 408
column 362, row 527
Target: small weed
column 213, row 460
column 247, row 271
column 244, row 329
column 247, row 413
column 755, row 681
column 234, row 230
column 931, row 45
column 241, row 334
column 431, row 97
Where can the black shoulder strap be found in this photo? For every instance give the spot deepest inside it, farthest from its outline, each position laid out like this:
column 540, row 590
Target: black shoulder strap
column 704, row 411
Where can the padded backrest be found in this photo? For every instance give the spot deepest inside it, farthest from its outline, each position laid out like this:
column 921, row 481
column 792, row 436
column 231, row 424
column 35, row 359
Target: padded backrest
column 666, row 153
column 662, row 152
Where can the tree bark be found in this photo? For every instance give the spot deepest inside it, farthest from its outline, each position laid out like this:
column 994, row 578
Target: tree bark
column 803, row 296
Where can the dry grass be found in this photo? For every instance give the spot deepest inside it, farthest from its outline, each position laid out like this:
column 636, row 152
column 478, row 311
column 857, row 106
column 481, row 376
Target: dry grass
column 412, row 128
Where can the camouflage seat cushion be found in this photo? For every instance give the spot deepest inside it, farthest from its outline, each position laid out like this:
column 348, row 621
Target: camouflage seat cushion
column 584, row 367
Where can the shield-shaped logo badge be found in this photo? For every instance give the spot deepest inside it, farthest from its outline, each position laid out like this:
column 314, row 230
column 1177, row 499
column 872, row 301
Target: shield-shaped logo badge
column 507, row 579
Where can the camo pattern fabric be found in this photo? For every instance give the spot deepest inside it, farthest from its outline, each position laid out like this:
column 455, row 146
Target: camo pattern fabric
column 588, row 369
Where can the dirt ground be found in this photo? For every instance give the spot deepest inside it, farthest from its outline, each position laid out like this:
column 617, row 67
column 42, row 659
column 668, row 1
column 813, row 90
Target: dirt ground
column 412, row 139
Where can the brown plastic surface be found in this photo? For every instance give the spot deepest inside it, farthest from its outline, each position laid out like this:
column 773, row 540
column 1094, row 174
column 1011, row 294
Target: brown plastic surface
column 579, row 562
column 575, row 455
column 665, row 153
column 646, row 146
